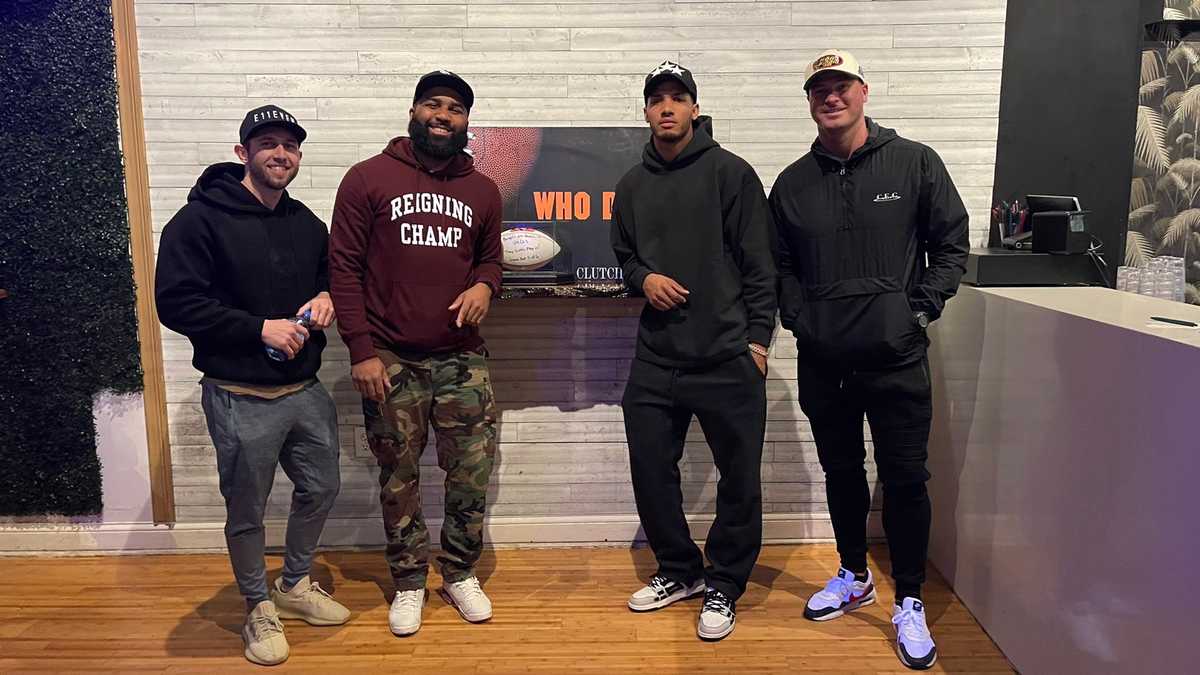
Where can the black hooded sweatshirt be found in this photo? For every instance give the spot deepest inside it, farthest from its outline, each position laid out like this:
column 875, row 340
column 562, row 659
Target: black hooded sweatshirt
column 226, row 263
column 701, row 219
column 853, row 240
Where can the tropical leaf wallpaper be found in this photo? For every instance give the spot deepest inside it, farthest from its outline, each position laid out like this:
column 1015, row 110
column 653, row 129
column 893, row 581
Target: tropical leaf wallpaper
column 1181, row 9
column 1164, row 199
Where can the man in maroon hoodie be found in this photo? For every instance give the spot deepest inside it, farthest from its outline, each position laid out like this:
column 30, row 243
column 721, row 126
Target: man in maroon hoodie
column 414, row 261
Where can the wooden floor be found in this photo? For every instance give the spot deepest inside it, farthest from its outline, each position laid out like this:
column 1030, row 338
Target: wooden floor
column 556, row 611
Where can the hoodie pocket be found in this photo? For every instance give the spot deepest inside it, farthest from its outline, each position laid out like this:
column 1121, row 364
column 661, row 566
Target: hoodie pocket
column 420, row 318
column 865, row 322
column 791, row 307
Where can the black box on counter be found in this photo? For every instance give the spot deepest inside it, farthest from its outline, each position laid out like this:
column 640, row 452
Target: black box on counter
column 1004, row 267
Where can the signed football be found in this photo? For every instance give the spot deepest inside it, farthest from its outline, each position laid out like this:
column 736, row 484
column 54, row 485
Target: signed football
column 527, row 249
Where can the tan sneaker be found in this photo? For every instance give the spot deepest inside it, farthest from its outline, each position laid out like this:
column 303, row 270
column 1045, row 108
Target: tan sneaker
column 263, row 635
column 309, row 602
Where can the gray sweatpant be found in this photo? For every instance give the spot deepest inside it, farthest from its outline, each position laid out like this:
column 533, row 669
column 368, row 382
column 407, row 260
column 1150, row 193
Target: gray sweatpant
column 254, row 435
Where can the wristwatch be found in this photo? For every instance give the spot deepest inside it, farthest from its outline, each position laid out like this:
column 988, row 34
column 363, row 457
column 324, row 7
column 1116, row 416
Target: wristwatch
column 922, row 319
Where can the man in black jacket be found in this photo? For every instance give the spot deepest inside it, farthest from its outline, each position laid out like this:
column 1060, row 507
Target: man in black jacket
column 691, row 231
column 872, row 243
column 234, row 265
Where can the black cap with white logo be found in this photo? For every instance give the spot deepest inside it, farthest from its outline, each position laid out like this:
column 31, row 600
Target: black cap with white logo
column 673, row 71
column 270, row 116
column 445, row 78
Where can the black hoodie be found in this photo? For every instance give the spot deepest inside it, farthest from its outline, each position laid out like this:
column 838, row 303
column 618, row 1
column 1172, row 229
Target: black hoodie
column 702, row 220
column 853, row 241
column 226, row 263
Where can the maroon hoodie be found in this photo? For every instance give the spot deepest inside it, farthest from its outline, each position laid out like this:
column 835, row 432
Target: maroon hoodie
column 405, row 241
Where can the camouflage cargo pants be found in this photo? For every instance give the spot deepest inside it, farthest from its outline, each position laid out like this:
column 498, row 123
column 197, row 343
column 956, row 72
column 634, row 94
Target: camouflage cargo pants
column 454, row 393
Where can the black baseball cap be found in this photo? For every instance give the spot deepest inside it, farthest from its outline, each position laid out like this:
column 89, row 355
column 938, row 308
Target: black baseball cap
column 270, row 116
column 673, row 71
column 445, row 78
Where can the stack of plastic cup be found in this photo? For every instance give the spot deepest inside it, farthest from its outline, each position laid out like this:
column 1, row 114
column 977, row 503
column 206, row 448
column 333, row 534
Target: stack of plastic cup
column 1164, row 286
column 1133, row 282
column 1150, row 275
column 1155, row 268
column 1161, row 277
column 1179, row 279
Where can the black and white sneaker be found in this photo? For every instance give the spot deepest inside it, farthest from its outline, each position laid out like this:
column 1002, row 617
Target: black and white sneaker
column 661, row 592
column 716, row 616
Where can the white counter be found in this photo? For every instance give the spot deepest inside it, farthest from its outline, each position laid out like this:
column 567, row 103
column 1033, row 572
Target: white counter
column 1124, row 310
column 1065, row 457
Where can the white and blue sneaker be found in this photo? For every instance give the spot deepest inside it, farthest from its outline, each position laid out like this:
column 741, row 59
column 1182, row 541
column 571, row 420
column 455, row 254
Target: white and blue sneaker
column 717, row 615
column 914, row 644
column 661, row 592
column 842, row 594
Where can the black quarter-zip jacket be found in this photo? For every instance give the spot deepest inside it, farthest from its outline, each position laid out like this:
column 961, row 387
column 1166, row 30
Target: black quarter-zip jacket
column 226, row 263
column 854, row 236
column 701, row 219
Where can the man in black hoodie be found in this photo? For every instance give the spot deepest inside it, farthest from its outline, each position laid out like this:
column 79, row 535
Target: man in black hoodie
column 692, row 233
column 234, row 265
column 872, row 243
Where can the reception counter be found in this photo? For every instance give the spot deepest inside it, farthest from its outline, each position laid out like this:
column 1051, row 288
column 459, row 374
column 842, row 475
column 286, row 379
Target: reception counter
column 1066, row 457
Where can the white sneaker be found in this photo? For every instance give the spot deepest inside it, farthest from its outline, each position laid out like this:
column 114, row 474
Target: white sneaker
column 308, row 602
column 914, row 644
column 842, row 594
column 404, row 617
column 469, row 599
column 263, row 636
column 717, row 616
column 661, row 592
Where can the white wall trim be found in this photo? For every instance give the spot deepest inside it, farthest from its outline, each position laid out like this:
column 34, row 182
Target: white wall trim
column 141, row 538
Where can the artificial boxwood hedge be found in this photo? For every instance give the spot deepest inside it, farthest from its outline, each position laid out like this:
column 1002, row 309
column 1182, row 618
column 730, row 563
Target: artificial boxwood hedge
column 69, row 328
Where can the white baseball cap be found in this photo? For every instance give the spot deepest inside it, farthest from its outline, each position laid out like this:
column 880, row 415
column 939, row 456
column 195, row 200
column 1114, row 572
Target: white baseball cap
column 833, row 59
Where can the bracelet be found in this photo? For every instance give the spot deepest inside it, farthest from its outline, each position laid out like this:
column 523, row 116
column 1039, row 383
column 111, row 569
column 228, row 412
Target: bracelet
column 760, row 350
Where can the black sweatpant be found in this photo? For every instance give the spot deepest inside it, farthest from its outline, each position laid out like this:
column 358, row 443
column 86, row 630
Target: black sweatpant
column 730, row 401
column 898, row 406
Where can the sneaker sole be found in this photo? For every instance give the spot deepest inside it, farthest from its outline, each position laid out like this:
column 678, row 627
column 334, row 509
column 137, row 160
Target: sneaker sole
column 907, row 664
column 469, row 619
column 250, row 657
column 850, row 607
column 403, row 632
column 667, row 601
column 284, row 614
column 714, row 637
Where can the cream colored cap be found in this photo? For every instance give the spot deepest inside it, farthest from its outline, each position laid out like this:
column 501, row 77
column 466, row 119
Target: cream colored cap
column 833, row 59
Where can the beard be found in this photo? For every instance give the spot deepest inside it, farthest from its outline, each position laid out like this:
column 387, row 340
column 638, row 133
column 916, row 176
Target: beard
column 441, row 148
column 672, row 135
column 260, row 175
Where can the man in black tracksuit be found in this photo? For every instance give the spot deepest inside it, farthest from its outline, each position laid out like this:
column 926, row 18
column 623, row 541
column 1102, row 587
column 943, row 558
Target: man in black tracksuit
column 692, row 233
column 872, row 243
